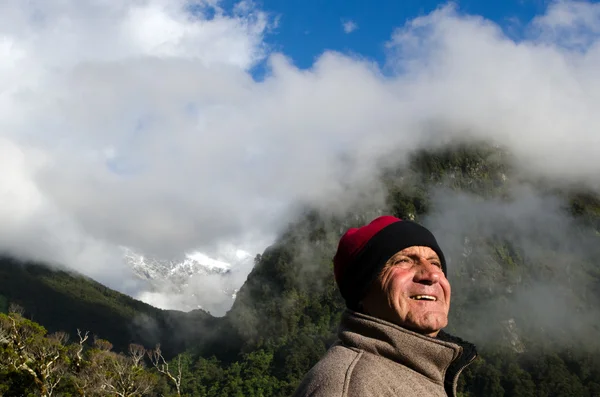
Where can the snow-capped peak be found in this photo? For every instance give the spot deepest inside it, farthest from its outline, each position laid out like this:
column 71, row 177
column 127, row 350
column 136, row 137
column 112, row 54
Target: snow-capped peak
column 206, row 261
column 195, row 280
column 175, row 271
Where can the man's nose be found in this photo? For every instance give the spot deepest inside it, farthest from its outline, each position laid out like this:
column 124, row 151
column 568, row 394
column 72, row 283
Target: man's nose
column 427, row 273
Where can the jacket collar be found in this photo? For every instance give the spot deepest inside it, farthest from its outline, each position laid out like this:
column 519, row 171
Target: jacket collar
column 428, row 356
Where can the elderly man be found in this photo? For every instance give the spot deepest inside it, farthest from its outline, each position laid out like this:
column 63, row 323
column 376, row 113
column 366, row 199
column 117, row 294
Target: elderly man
column 392, row 275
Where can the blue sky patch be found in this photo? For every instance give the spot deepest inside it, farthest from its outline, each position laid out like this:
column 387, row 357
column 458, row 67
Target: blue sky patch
column 307, row 28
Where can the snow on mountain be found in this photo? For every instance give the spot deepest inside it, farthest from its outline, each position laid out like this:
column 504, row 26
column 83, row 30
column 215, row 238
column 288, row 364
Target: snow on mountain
column 176, row 271
column 193, row 281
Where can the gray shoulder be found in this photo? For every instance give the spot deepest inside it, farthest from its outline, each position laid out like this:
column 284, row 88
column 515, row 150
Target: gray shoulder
column 331, row 375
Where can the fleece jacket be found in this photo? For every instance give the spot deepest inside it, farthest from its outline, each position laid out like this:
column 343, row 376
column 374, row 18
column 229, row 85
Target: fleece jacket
column 375, row 358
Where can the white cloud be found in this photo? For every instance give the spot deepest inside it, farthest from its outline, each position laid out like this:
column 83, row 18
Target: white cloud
column 573, row 24
column 349, row 26
column 139, row 124
column 535, row 96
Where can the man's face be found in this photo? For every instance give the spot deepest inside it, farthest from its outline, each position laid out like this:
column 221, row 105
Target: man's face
column 411, row 291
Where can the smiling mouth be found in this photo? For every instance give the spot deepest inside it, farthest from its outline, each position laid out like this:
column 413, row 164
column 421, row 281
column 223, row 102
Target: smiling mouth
column 424, row 298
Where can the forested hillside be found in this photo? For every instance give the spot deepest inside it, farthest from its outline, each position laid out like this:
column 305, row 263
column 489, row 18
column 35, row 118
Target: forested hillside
column 522, row 259
column 65, row 301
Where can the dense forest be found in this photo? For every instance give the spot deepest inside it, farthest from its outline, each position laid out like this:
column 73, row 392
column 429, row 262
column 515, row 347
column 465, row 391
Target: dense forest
column 522, row 259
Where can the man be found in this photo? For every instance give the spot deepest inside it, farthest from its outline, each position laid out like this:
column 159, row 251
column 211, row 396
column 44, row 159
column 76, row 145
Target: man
column 392, row 275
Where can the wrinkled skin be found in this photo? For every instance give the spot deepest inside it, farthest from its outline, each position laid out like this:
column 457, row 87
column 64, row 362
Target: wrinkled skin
column 409, row 273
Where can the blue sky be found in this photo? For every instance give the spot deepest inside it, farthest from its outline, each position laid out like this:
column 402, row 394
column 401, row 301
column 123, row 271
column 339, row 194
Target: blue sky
column 309, row 27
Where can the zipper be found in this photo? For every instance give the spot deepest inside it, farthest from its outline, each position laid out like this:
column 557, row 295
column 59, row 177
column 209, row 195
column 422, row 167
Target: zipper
column 455, row 380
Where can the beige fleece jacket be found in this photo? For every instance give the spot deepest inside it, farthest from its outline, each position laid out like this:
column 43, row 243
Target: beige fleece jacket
column 375, row 358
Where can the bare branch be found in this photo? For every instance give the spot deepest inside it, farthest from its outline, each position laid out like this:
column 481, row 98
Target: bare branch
column 4, row 336
column 137, row 353
column 33, row 353
column 82, row 338
column 120, row 376
column 79, row 349
column 162, row 366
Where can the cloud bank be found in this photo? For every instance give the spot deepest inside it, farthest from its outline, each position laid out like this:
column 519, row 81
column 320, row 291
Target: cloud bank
column 139, row 124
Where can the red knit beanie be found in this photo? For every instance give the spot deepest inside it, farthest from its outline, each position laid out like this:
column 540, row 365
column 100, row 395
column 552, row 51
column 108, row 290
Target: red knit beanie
column 362, row 253
column 354, row 240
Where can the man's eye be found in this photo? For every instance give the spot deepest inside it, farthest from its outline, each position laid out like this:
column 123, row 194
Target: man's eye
column 437, row 264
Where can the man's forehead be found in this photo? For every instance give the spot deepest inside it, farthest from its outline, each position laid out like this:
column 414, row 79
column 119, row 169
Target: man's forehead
column 426, row 252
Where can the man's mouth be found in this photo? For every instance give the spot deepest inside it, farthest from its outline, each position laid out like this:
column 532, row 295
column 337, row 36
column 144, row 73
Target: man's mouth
column 424, row 298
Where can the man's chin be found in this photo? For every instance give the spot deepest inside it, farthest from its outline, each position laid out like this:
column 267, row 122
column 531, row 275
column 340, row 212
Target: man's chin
column 431, row 327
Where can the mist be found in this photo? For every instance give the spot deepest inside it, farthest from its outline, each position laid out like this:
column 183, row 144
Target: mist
column 523, row 259
column 137, row 125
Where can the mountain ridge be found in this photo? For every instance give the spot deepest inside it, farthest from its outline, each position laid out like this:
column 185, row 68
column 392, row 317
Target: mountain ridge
column 63, row 300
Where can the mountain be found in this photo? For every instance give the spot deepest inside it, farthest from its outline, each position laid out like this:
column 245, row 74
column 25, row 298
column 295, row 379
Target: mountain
column 171, row 278
column 177, row 272
column 524, row 273
column 178, row 283
column 522, row 258
column 63, row 300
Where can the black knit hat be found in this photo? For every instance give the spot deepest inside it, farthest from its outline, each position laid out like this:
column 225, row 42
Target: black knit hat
column 363, row 252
